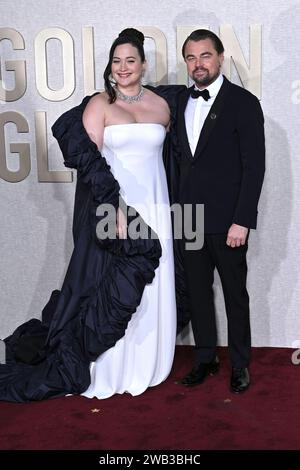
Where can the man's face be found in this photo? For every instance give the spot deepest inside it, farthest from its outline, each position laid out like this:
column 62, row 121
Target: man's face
column 202, row 61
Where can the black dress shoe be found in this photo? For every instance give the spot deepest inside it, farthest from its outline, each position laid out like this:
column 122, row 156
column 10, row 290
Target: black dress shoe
column 240, row 379
column 200, row 372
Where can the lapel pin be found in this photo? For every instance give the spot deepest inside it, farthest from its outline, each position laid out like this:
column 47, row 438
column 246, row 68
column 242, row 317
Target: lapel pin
column 213, row 116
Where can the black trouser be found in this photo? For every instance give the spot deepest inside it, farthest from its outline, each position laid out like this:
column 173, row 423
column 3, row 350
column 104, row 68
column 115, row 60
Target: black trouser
column 232, row 267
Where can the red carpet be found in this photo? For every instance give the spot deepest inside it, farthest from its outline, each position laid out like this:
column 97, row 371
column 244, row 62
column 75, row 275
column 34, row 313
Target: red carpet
column 169, row 416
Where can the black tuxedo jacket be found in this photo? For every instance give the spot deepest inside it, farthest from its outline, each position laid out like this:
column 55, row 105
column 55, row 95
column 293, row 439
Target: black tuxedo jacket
column 226, row 173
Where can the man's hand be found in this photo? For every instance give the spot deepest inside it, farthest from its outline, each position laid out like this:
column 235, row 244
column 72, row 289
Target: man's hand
column 236, row 235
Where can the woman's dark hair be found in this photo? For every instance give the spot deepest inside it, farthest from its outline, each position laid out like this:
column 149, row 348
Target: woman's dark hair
column 127, row 36
column 200, row 34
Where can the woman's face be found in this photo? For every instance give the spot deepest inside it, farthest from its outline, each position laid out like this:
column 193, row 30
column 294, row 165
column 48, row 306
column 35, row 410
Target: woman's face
column 127, row 67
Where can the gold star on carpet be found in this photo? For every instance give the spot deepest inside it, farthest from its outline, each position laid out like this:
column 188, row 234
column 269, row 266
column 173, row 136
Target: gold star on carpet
column 95, row 410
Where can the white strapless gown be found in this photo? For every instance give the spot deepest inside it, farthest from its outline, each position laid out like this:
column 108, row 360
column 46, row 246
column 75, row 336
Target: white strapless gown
column 143, row 357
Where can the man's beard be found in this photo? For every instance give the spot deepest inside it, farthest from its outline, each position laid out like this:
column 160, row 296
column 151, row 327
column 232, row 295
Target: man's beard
column 205, row 80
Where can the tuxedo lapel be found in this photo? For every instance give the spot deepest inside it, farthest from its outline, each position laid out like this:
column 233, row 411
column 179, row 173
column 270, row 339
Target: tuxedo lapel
column 212, row 117
column 182, row 133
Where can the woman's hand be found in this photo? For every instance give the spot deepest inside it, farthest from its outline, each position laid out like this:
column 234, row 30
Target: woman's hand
column 121, row 224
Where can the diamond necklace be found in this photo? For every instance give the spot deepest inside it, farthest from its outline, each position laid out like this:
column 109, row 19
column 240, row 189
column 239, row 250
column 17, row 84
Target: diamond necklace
column 130, row 99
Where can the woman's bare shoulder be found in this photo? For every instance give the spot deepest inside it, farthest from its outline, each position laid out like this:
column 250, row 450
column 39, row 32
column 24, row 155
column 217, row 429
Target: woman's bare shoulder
column 155, row 98
column 97, row 101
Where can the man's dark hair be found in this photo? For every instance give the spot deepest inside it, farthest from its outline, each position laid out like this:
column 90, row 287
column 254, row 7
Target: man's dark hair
column 200, row 34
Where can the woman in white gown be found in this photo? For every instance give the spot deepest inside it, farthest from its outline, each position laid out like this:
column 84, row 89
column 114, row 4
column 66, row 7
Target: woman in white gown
column 128, row 123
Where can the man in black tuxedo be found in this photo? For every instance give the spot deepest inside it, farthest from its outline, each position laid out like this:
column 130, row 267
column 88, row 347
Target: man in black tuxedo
column 221, row 138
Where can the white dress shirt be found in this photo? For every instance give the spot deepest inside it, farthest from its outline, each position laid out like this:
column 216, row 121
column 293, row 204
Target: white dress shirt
column 197, row 110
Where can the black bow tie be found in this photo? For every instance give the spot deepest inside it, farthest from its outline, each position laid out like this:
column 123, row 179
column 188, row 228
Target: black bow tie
column 196, row 93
